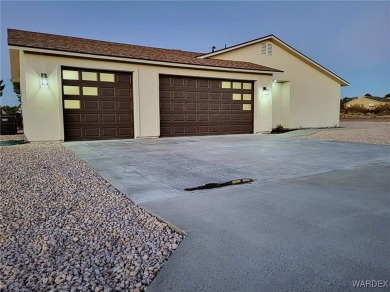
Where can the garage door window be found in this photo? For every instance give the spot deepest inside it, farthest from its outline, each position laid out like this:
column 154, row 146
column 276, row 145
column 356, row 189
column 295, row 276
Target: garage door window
column 71, row 90
column 236, row 96
column 89, row 76
column 106, row 77
column 70, row 75
column 90, row 91
column 71, row 104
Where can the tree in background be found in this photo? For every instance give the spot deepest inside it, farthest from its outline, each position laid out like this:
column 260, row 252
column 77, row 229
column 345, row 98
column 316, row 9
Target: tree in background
column 9, row 110
column 16, row 86
column 367, row 94
column 387, row 95
column 1, row 87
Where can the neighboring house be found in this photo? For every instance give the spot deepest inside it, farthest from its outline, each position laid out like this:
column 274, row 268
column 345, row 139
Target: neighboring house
column 81, row 89
column 368, row 102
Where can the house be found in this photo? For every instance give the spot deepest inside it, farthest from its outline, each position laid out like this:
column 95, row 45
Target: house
column 368, row 102
column 82, row 89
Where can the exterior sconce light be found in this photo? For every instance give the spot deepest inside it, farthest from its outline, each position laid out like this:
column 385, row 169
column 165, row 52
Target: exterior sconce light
column 44, row 82
column 265, row 91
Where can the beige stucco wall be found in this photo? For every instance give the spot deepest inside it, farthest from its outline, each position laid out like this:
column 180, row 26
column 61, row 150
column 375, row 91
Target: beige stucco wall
column 314, row 97
column 366, row 102
column 42, row 107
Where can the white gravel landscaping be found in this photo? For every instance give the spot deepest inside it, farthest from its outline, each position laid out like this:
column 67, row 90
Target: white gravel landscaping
column 369, row 131
column 64, row 228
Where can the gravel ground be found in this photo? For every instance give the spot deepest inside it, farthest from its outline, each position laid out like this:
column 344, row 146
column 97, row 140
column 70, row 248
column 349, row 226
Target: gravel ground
column 12, row 137
column 363, row 131
column 64, row 228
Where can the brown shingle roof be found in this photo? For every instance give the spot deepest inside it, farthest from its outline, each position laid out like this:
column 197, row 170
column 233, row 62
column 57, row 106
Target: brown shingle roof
column 86, row 46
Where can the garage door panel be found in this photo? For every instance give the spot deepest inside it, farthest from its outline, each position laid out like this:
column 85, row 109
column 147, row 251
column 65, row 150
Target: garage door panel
column 203, row 106
column 105, row 110
column 125, row 105
column 190, row 117
column 91, row 104
column 107, row 104
column 226, row 96
column 177, row 81
column 108, row 118
column 92, row 133
column 203, row 117
column 190, row 82
column 179, row 130
column 165, row 94
column 178, row 106
column 178, row 117
column 165, row 118
column 203, row 83
column 215, row 118
column 73, row 133
column 189, row 106
column 215, row 129
column 107, row 92
column 124, row 92
column 203, row 95
column 215, row 96
column 125, row 118
column 213, row 112
column 123, row 78
column 178, row 94
column 215, row 107
column 109, row 132
column 203, row 130
column 74, row 118
column 91, row 118
column 191, row 95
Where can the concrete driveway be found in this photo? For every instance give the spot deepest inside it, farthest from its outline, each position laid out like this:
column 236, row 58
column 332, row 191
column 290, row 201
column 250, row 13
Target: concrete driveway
column 316, row 218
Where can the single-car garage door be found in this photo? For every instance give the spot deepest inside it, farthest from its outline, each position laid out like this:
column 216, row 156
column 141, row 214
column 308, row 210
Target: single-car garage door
column 199, row 106
column 97, row 104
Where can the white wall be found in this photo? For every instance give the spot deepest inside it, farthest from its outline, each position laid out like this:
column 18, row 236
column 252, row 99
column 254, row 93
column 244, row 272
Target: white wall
column 42, row 107
column 314, row 96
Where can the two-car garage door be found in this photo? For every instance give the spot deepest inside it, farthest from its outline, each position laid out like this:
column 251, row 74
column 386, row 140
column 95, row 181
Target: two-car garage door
column 199, row 106
column 99, row 105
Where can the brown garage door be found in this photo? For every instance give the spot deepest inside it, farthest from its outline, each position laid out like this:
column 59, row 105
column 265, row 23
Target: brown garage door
column 97, row 104
column 199, row 106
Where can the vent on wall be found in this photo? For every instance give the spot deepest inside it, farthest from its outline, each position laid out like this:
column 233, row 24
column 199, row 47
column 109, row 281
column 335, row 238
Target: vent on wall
column 266, row 49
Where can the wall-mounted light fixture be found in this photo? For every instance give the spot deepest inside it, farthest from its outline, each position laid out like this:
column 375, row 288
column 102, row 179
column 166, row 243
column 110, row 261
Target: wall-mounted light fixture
column 265, row 91
column 44, row 82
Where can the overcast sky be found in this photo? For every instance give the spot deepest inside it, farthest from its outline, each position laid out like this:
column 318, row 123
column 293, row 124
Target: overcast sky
column 352, row 39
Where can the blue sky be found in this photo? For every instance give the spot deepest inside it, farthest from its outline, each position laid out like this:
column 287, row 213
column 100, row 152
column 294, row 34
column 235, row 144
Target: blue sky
column 352, row 39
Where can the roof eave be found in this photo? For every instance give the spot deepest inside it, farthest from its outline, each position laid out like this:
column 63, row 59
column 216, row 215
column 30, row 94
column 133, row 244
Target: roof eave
column 140, row 61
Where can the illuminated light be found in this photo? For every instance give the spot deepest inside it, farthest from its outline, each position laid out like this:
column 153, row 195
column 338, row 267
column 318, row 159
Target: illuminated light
column 265, row 91
column 44, row 82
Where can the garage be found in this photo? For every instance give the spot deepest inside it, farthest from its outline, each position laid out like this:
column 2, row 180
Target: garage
column 191, row 106
column 97, row 104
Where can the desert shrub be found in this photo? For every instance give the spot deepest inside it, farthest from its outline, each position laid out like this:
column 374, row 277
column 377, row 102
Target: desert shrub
column 383, row 109
column 356, row 108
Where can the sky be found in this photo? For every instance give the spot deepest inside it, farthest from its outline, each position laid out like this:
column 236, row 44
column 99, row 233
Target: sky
column 350, row 38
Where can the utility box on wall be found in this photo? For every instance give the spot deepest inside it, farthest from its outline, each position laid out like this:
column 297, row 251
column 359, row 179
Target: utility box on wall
column 8, row 125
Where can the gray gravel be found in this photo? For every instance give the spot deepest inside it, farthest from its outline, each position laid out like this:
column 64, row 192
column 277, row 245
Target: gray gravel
column 64, row 228
column 370, row 131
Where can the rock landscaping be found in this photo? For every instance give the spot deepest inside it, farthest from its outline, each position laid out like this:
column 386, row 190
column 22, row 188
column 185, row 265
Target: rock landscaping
column 64, row 228
column 369, row 131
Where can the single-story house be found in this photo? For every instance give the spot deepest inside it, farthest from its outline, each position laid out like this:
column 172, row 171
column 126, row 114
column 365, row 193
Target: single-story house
column 368, row 102
column 81, row 89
